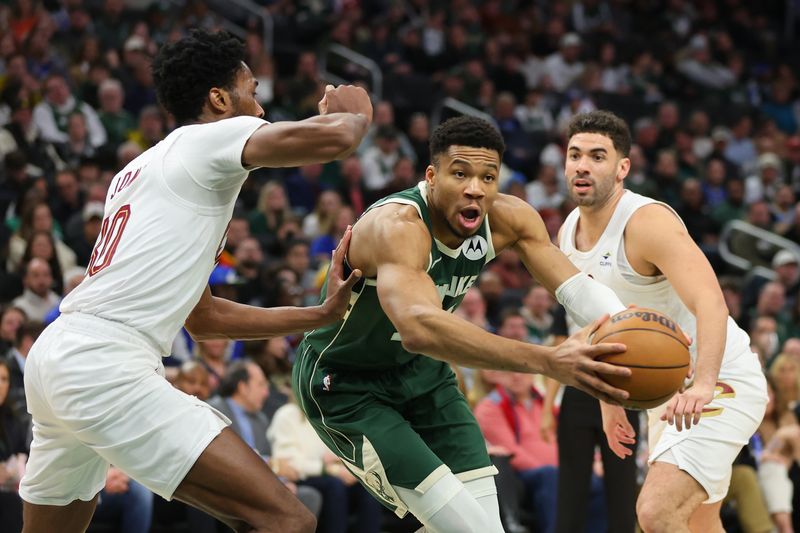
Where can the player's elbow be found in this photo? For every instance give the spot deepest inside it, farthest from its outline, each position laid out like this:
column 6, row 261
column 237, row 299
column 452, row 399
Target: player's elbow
column 415, row 333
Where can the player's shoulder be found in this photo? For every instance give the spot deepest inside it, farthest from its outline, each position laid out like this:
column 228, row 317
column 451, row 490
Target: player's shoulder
column 391, row 220
column 510, row 212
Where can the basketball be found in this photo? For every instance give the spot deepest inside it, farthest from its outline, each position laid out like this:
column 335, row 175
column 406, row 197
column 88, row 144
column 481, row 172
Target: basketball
column 657, row 354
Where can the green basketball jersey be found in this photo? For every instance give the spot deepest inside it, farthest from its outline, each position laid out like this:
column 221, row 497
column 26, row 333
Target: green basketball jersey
column 365, row 339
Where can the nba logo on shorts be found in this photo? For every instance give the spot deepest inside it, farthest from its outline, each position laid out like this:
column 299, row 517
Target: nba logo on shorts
column 326, row 383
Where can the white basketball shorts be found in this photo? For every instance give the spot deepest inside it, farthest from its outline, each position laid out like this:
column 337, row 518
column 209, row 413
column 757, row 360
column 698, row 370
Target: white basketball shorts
column 706, row 451
column 97, row 394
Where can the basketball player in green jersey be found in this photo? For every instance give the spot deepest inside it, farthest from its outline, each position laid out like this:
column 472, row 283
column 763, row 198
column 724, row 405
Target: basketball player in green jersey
column 377, row 386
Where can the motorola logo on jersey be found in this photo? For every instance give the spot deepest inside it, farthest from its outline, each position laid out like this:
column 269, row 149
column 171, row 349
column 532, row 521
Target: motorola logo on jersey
column 475, row 248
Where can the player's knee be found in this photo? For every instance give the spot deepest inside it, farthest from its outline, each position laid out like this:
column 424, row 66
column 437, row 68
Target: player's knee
column 293, row 517
column 653, row 517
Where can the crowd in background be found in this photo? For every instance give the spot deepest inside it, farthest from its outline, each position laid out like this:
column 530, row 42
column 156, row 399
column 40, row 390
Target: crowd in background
column 709, row 88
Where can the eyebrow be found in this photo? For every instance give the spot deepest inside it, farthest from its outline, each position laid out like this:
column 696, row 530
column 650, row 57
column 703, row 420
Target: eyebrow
column 464, row 162
column 592, row 151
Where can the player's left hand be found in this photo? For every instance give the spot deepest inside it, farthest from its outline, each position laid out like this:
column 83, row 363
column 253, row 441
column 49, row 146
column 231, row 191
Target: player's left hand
column 337, row 297
column 685, row 408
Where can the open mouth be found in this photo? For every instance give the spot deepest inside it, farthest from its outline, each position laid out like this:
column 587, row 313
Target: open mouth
column 470, row 217
column 582, row 184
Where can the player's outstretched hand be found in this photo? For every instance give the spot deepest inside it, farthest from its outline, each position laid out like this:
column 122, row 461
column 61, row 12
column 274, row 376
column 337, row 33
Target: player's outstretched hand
column 574, row 364
column 337, row 297
column 345, row 99
column 686, row 407
column 618, row 430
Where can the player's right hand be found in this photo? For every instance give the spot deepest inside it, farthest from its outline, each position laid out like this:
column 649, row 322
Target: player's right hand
column 345, row 99
column 573, row 363
column 337, row 297
column 618, row 430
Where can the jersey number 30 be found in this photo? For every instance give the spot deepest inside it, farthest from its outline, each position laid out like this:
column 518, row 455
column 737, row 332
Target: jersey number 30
column 110, row 234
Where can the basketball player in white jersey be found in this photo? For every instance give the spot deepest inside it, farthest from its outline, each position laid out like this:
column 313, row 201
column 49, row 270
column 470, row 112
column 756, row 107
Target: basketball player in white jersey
column 94, row 379
column 640, row 248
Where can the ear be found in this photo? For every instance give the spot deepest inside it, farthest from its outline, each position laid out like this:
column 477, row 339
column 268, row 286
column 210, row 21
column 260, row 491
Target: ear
column 624, row 168
column 219, row 100
column 430, row 176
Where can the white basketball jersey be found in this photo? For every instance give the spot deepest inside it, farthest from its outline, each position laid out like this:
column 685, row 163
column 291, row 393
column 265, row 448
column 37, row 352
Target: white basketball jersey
column 607, row 263
column 166, row 217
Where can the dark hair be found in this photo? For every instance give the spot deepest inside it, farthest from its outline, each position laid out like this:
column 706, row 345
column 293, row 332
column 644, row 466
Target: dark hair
column 184, row 71
column 465, row 131
column 605, row 123
column 236, row 373
column 508, row 314
column 30, row 328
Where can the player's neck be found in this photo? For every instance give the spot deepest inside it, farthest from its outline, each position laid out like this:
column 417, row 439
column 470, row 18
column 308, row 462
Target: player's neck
column 594, row 220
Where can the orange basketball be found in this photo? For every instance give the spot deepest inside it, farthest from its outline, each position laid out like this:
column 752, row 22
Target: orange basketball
column 657, row 354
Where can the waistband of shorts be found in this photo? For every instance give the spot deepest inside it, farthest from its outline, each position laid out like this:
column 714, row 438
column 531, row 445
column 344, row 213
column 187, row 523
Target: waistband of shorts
column 95, row 325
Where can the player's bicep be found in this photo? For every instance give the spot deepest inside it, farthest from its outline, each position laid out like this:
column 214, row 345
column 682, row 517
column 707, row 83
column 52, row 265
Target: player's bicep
column 532, row 243
column 292, row 144
column 674, row 253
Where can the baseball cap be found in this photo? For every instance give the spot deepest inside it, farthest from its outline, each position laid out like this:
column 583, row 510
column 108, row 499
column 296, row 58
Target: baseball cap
column 93, row 210
column 769, row 159
column 223, row 275
column 570, row 39
column 784, row 257
column 720, row 133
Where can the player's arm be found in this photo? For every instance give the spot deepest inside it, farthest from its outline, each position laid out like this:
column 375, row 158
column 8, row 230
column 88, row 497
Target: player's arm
column 214, row 318
column 676, row 255
column 516, row 224
column 410, row 300
column 345, row 115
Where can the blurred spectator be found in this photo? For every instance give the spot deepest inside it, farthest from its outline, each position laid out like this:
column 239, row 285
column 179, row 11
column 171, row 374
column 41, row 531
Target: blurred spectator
column 322, row 246
column 22, row 135
column 299, row 455
column 242, row 394
column 564, row 66
column 192, row 378
column 304, row 90
column 71, row 279
column 249, row 260
column 403, row 177
column 52, row 115
column 11, row 319
column 37, row 298
column 213, row 355
column 150, row 129
column 83, row 243
column 13, row 454
column 713, row 185
column 695, row 215
column 68, row 198
column 546, row 191
column 77, row 146
column 520, row 152
column 272, row 210
column 740, row 148
column 124, row 504
column 537, row 315
column 378, row 161
column 37, row 217
column 755, row 250
column 764, row 184
column 733, row 207
column 41, row 245
column 699, row 66
column 319, row 221
column 116, row 120
column 382, row 118
column 26, row 335
column 352, row 190
column 303, row 187
column 418, row 136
